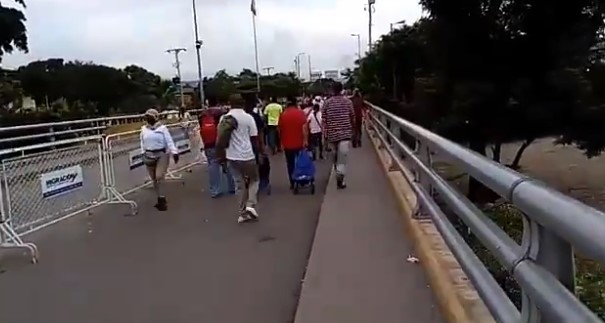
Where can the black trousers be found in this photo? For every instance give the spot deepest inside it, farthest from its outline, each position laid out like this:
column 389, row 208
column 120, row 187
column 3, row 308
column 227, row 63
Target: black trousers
column 316, row 143
column 290, row 162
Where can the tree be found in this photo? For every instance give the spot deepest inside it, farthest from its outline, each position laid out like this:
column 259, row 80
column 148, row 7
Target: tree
column 494, row 72
column 13, row 33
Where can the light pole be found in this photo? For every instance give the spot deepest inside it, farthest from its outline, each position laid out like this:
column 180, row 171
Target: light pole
column 358, row 46
column 198, row 45
column 177, row 65
column 370, row 12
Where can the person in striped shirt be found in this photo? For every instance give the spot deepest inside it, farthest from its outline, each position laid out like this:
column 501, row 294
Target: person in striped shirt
column 338, row 118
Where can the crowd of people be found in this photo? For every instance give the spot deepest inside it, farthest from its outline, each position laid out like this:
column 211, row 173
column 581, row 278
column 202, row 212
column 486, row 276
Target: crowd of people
column 239, row 138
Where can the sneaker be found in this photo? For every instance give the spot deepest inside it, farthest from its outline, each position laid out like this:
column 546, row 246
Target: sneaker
column 243, row 218
column 252, row 212
column 340, row 183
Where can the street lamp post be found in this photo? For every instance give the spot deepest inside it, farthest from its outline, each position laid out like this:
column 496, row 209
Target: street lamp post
column 198, row 45
column 358, row 45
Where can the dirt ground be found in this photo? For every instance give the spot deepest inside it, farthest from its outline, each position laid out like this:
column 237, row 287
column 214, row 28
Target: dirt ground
column 565, row 168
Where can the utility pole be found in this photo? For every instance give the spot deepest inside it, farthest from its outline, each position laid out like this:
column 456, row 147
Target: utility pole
column 198, row 45
column 177, row 65
column 370, row 11
column 268, row 70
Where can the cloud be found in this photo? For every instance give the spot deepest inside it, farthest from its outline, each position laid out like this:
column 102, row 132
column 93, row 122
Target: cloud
column 122, row 32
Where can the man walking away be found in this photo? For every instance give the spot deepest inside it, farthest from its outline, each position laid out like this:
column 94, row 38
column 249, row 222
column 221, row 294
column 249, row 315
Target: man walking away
column 338, row 118
column 209, row 121
column 238, row 138
column 359, row 106
column 315, row 132
column 293, row 134
column 272, row 112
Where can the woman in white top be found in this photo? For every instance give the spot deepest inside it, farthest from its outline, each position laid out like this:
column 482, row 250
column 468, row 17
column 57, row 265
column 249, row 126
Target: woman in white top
column 157, row 147
column 315, row 132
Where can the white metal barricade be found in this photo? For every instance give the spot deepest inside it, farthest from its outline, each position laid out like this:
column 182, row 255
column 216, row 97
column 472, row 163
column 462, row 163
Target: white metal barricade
column 46, row 183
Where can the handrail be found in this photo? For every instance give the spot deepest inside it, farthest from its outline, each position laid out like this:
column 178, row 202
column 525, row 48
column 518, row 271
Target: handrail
column 81, row 121
column 543, row 263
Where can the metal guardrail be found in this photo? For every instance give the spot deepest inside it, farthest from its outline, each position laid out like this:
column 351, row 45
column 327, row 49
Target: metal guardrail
column 40, row 186
column 77, row 128
column 553, row 225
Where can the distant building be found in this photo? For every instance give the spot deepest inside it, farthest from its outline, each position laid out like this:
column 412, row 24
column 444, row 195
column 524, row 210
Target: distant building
column 188, row 95
column 316, row 75
column 332, row 74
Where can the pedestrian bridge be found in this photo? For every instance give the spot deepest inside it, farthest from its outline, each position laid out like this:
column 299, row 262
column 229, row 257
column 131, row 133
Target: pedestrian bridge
column 382, row 250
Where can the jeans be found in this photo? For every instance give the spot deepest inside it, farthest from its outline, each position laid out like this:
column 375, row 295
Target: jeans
column 291, row 162
column 272, row 138
column 245, row 174
column 216, row 174
column 341, row 154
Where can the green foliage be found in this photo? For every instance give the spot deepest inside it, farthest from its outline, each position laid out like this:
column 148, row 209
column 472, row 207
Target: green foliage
column 219, row 87
column 499, row 71
column 590, row 275
column 13, row 34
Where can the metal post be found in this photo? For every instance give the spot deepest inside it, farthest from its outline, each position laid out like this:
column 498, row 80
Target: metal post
column 177, row 65
column 198, row 45
column 370, row 8
column 256, row 53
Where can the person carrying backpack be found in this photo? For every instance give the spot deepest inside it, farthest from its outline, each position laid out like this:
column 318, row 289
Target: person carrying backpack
column 236, row 143
column 209, row 120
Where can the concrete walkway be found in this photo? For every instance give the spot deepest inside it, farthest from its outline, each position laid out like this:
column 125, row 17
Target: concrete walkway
column 189, row 265
column 357, row 272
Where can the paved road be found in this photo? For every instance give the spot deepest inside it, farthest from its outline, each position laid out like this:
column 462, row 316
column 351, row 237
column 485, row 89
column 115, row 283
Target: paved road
column 28, row 206
column 191, row 264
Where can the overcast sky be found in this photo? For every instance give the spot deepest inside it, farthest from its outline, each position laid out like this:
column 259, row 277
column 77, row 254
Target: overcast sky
column 122, row 32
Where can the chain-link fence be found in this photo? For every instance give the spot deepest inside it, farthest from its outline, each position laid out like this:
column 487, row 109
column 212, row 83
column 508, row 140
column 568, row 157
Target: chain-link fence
column 46, row 183
column 63, row 179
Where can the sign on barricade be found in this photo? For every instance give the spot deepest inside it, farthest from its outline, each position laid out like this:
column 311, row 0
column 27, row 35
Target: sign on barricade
column 61, row 181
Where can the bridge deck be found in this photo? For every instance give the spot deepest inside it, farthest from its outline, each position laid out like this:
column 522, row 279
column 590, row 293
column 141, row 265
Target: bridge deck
column 357, row 270
column 191, row 264
column 195, row 264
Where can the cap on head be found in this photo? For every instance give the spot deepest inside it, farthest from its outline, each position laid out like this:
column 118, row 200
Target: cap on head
column 153, row 113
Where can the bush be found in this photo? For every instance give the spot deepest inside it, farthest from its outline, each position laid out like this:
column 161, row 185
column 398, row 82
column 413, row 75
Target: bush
column 590, row 275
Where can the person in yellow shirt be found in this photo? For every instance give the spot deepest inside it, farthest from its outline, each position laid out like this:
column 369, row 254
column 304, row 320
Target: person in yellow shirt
column 272, row 112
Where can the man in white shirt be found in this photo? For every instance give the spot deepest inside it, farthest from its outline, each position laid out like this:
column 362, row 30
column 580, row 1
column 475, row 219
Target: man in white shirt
column 241, row 159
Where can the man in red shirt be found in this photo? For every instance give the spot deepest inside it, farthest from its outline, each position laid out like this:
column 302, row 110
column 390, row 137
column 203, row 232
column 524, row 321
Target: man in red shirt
column 359, row 106
column 293, row 134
